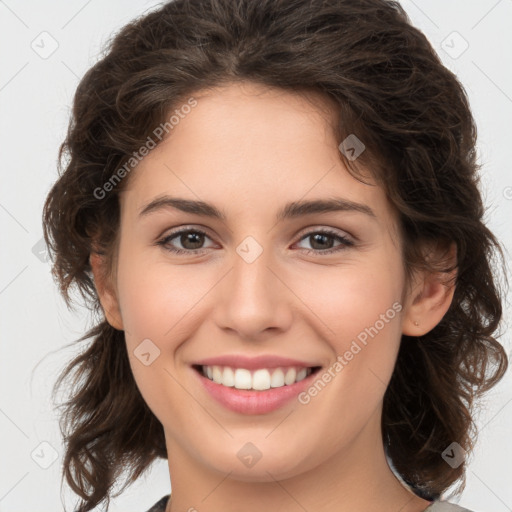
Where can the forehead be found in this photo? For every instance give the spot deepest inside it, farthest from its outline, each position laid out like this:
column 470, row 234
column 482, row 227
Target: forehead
column 245, row 143
column 275, row 116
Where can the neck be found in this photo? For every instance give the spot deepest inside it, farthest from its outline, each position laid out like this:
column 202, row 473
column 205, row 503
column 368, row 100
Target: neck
column 357, row 477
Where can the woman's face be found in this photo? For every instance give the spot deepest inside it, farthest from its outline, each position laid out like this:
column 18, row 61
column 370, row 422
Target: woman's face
column 262, row 281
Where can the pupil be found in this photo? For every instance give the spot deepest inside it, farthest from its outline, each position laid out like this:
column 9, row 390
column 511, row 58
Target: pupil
column 193, row 238
column 321, row 237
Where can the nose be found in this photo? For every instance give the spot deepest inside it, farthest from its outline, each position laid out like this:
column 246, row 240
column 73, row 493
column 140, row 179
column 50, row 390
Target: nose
column 253, row 300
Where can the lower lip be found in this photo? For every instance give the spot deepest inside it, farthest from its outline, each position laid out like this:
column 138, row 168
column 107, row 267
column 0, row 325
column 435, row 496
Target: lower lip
column 254, row 402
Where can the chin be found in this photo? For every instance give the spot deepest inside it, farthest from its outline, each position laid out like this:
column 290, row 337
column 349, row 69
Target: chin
column 266, row 468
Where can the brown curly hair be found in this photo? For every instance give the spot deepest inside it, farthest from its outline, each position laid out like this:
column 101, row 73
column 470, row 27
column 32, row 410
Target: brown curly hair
column 420, row 140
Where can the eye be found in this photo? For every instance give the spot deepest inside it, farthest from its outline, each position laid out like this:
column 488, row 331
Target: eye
column 190, row 239
column 321, row 241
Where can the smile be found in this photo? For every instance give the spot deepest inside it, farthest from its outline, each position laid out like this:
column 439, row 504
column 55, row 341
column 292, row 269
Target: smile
column 259, row 379
column 255, row 391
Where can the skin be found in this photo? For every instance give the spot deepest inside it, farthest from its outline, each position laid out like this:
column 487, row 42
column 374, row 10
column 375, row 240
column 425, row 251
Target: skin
column 248, row 150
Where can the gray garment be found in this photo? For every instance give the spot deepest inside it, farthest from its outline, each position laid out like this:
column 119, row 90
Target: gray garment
column 436, row 506
column 444, row 506
column 160, row 505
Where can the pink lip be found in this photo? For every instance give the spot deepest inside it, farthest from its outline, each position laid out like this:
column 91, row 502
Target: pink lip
column 253, row 363
column 254, row 402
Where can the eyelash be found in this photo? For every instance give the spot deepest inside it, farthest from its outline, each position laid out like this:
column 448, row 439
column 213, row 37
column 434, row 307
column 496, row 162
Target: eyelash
column 345, row 242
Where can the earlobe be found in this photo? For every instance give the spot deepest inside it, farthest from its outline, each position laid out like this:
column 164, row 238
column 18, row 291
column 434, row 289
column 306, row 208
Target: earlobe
column 105, row 291
column 430, row 299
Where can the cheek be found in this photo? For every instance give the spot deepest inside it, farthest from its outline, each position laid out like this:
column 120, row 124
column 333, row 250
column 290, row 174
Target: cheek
column 156, row 305
column 154, row 299
column 350, row 298
column 359, row 311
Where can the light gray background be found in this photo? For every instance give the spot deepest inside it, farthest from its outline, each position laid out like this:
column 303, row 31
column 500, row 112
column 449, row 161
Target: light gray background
column 35, row 98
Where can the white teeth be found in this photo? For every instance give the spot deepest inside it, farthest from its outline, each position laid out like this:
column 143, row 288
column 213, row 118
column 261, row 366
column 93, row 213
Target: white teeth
column 217, row 374
column 289, row 378
column 301, row 374
column 277, row 379
column 260, row 380
column 228, row 377
column 242, row 379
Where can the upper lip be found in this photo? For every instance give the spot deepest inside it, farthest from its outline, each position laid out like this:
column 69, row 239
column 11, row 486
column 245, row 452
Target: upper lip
column 253, row 363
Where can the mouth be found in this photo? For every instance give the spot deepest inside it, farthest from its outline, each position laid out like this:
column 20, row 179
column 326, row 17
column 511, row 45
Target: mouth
column 258, row 379
column 256, row 391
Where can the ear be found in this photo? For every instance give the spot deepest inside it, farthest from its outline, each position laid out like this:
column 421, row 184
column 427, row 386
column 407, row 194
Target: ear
column 105, row 291
column 431, row 294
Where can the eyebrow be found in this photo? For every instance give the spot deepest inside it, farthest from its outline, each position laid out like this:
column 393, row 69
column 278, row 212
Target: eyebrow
column 289, row 211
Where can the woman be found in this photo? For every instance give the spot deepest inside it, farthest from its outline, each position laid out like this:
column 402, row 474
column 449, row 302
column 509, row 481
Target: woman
column 273, row 206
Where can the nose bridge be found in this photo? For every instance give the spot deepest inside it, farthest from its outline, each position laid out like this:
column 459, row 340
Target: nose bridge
column 251, row 275
column 252, row 297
